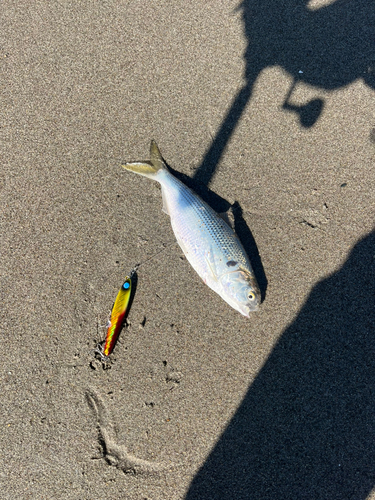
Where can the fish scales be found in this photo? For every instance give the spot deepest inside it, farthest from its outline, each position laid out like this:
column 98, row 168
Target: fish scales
column 208, row 242
column 211, row 232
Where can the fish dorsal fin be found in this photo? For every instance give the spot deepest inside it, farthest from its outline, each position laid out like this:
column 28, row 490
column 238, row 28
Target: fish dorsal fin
column 228, row 217
column 156, row 157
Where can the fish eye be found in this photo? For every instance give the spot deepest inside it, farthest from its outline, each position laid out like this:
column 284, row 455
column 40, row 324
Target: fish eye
column 251, row 296
column 126, row 286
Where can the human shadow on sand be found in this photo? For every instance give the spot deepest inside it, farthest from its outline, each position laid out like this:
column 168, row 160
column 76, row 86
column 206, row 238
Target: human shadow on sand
column 306, row 427
column 327, row 48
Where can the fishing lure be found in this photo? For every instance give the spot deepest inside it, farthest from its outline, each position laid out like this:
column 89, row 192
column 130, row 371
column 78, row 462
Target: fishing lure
column 117, row 317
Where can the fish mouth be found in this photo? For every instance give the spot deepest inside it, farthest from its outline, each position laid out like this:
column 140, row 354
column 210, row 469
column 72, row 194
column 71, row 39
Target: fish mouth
column 252, row 308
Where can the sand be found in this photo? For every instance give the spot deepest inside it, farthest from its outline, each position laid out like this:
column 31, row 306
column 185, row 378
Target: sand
column 270, row 107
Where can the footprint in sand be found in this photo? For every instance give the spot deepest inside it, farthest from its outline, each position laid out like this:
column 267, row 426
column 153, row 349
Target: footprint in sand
column 114, row 453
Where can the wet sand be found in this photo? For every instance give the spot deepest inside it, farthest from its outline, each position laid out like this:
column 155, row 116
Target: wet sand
column 199, row 402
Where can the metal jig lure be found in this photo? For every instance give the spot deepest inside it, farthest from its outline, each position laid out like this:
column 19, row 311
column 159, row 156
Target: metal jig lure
column 117, row 317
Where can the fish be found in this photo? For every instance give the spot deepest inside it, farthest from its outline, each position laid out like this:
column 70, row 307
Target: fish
column 208, row 242
column 117, row 317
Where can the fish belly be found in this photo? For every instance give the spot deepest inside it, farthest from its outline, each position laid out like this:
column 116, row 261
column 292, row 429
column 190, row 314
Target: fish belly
column 205, row 238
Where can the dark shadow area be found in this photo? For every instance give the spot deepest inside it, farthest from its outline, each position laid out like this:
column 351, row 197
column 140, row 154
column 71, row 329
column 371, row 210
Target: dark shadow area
column 134, row 277
column 308, row 113
column 247, row 239
column 327, row 48
column 206, row 170
column 306, row 428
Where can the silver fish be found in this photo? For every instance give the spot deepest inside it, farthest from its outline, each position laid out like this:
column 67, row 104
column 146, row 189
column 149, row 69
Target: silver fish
column 208, row 242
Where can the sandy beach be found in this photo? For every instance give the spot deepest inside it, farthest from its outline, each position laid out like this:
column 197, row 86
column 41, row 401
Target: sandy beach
column 267, row 106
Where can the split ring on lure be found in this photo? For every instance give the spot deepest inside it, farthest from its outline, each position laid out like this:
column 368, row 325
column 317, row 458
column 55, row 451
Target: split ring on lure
column 117, row 317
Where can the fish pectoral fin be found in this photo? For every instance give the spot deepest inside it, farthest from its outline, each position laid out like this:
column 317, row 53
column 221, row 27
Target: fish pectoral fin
column 210, row 266
column 182, row 245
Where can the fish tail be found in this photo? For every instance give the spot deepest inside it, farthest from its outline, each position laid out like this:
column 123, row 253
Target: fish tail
column 148, row 168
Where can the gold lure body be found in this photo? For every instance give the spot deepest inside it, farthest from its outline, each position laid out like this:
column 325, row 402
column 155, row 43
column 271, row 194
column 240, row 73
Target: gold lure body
column 117, row 316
